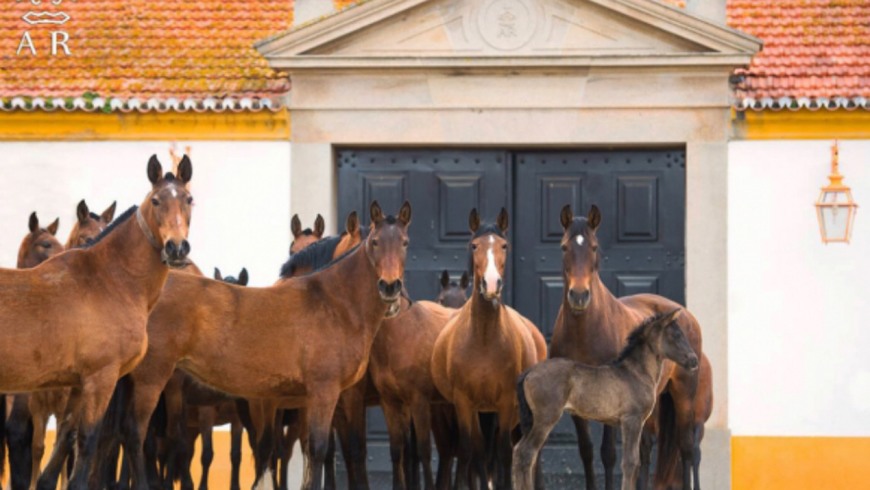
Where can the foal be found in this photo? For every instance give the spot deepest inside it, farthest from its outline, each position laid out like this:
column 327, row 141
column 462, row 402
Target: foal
column 78, row 319
column 303, row 238
column 38, row 245
column 479, row 354
column 453, row 293
column 89, row 225
column 621, row 393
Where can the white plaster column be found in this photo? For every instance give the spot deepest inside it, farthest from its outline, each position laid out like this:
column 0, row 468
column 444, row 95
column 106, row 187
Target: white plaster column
column 314, row 184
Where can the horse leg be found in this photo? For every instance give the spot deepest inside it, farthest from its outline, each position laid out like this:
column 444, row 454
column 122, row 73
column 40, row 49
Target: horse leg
column 682, row 389
column 19, row 435
column 207, row 416
column 472, row 458
column 351, row 428
column 527, row 452
column 584, row 444
column 330, row 481
column 398, row 426
column 421, row 415
column 137, row 438
column 647, row 440
column 508, row 418
column 63, row 443
column 263, row 414
column 40, row 421
column 631, row 433
column 96, row 392
column 608, row 454
column 444, row 433
column 696, row 460
column 319, row 414
column 293, row 422
column 235, row 452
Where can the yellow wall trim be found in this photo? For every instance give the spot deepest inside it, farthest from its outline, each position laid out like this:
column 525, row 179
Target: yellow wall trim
column 801, row 124
column 176, row 126
column 792, row 463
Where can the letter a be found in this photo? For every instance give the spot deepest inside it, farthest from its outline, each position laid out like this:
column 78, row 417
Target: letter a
column 26, row 42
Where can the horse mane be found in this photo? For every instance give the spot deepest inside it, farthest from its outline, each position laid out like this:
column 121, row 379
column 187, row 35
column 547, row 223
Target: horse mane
column 578, row 226
column 307, row 232
column 487, row 229
column 316, row 256
column 114, row 224
column 637, row 336
column 94, row 216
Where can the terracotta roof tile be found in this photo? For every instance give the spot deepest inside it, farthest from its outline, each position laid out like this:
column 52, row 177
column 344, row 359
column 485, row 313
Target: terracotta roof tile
column 812, row 48
column 144, row 49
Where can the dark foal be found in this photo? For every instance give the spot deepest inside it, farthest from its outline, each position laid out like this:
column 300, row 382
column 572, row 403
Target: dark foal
column 592, row 327
column 622, row 393
column 453, row 294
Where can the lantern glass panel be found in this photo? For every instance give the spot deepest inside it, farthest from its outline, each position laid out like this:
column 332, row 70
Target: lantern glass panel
column 831, row 197
column 835, row 220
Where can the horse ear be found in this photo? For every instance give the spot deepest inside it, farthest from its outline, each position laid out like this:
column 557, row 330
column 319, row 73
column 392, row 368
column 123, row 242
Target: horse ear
column 473, row 220
column 445, row 279
column 319, row 226
column 185, row 169
column 502, row 220
column 33, row 222
column 109, row 214
column 52, row 228
column 217, row 275
column 566, row 216
column 671, row 317
column 155, row 170
column 375, row 212
column 243, row 277
column 351, row 224
column 295, row 226
column 463, row 281
column 594, row 218
column 405, row 214
column 82, row 211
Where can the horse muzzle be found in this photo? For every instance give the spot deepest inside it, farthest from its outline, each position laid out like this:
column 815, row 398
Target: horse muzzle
column 579, row 301
column 175, row 254
column 393, row 309
column 691, row 364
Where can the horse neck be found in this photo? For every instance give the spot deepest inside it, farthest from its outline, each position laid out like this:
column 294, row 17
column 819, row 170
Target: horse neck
column 127, row 249
column 644, row 362
column 362, row 293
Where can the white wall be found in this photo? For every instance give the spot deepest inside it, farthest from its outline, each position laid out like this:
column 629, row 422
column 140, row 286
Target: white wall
column 799, row 310
column 241, row 216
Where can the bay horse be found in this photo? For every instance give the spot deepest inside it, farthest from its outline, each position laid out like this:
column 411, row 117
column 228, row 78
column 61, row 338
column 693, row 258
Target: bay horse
column 26, row 441
column 453, row 293
column 89, row 225
column 303, row 238
column 621, row 393
column 78, row 319
column 592, row 327
column 269, row 342
column 479, row 354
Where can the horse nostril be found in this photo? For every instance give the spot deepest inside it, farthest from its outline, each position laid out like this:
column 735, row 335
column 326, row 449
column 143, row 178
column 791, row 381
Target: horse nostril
column 170, row 248
column 185, row 248
column 498, row 285
column 693, row 363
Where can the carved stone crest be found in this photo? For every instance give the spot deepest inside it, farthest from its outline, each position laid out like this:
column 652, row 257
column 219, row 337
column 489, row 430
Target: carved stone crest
column 507, row 24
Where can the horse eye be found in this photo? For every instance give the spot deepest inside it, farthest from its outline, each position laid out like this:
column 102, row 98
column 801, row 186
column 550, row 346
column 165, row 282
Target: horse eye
column 155, row 202
column 504, row 246
column 474, row 246
column 190, row 200
column 564, row 247
column 405, row 243
column 374, row 243
column 45, row 244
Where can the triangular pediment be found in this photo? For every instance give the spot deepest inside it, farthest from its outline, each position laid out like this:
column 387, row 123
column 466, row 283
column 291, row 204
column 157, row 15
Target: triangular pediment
column 410, row 33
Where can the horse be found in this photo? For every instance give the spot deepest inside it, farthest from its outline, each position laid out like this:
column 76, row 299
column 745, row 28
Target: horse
column 264, row 342
column 481, row 351
column 78, row 319
column 26, row 441
column 621, row 393
column 592, row 327
column 89, row 225
column 303, row 238
column 453, row 293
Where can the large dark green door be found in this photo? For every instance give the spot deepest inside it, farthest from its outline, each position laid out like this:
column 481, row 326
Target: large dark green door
column 641, row 194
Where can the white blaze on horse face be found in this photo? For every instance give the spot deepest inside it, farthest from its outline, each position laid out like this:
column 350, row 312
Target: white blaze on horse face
column 579, row 240
column 491, row 274
column 173, row 192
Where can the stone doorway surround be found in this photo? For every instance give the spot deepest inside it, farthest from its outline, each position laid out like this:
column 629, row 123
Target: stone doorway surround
column 529, row 74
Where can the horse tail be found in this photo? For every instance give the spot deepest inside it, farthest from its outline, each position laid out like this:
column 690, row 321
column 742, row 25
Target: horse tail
column 669, row 453
column 526, row 416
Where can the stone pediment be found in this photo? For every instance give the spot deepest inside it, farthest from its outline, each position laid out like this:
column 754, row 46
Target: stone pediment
column 482, row 33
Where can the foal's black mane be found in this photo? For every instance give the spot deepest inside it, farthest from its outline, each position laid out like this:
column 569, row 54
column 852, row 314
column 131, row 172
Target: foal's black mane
column 638, row 336
column 94, row 216
column 114, row 224
column 316, row 256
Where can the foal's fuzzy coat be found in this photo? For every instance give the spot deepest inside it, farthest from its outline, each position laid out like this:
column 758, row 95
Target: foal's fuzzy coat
column 621, row 393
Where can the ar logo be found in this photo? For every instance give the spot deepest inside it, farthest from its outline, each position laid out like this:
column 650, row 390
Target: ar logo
column 58, row 39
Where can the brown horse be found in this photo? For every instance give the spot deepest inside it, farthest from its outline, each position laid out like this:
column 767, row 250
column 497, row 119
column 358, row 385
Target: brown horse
column 400, row 371
column 25, row 448
column 89, row 225
column 453, row 293
column 592, row 328
column 303, row 238
column 480, row 353
column 269, row 342
column 622, row 393
column 78, row 319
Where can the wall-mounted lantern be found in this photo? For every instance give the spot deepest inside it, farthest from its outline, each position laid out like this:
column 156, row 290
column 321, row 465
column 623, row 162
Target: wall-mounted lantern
column 836, row 208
